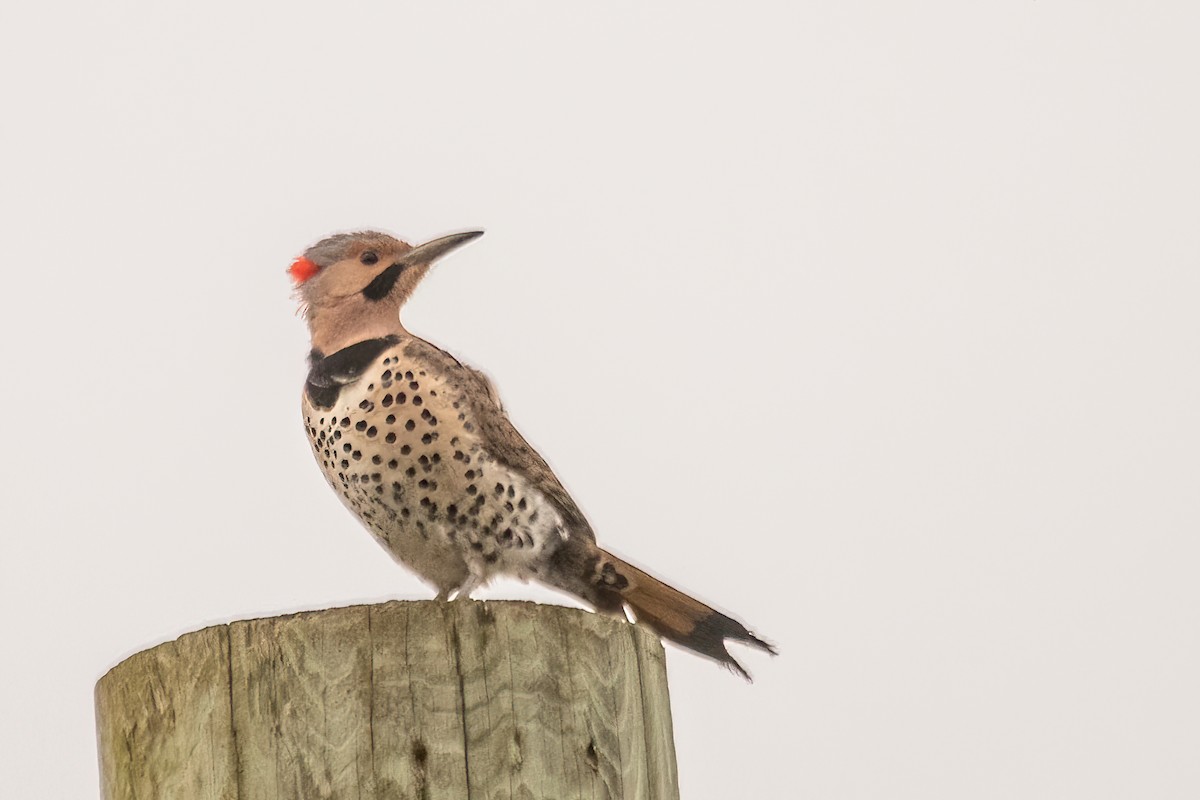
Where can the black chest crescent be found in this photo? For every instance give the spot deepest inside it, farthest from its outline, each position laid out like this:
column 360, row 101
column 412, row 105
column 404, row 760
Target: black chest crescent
column 327, row 375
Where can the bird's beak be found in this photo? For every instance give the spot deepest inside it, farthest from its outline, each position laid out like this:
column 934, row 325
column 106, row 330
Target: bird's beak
column 431, row 251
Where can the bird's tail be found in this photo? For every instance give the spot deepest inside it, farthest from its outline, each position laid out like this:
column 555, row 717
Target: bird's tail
column 669, row 612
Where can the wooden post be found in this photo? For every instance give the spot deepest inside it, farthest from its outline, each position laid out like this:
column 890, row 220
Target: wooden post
column 398, row 700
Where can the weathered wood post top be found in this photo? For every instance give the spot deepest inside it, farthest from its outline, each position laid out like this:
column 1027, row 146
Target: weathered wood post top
column 397, row 700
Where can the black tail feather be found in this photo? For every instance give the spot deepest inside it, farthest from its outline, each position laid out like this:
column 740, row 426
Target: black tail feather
column 676, row 616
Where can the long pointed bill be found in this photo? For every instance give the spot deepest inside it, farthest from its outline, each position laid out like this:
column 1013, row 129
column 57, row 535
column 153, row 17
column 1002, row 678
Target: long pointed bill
column 381, row 287
column 431, row 251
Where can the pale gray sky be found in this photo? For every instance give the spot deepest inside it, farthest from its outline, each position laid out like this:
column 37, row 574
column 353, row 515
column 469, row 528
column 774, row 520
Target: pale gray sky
column 873, row 323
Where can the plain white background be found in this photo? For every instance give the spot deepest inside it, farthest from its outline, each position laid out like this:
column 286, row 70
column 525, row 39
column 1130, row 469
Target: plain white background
column 872, row 323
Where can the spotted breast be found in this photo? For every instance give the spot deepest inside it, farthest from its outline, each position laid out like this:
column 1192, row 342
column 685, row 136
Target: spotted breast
column 396, row 426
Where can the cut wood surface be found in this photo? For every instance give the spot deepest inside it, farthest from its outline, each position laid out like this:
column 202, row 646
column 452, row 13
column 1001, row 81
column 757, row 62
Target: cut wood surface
column 419, row 700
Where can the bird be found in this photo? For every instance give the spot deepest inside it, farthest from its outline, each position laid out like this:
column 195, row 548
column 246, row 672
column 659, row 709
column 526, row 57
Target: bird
column 418, row 446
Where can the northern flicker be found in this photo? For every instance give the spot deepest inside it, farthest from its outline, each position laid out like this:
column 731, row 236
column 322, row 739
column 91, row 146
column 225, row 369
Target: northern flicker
column 418, row 446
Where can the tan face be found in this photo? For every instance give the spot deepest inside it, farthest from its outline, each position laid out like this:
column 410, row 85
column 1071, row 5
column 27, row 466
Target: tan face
column 354, row 285
column 370, row 271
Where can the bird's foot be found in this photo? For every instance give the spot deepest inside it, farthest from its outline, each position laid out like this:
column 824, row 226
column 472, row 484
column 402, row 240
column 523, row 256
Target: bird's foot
column 463, row 592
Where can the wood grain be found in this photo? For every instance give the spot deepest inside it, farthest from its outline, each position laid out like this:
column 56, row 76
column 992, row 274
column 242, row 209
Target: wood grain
column 163, row 722
column 396, row 701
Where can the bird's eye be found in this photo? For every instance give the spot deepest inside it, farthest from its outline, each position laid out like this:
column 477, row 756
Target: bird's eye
column 369, row 257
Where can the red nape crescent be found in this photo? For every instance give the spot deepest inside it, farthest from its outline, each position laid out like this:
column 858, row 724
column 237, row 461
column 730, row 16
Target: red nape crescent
column 302, row 269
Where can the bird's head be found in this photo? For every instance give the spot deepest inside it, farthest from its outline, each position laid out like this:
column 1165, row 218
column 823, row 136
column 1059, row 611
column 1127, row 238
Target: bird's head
column 352, row 285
